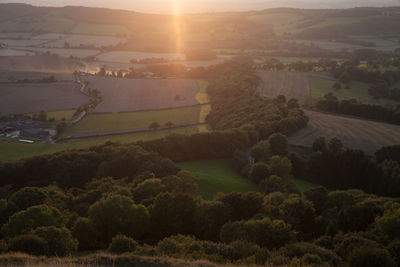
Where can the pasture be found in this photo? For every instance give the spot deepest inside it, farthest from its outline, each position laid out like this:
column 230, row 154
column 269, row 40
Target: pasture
column 123, row 95
column 320, row 87
column 12, row 76
column 289, row 84
column 39, row 63
column 216, row 176
column 354, row 133
column 112, row 122
column 29, row 98
column 15, row 151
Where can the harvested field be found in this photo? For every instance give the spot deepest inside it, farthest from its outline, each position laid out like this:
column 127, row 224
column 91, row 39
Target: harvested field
column 42, row 63
column 354, row 133
column 127, row 56
column 66, row 52
column 289, row 84
column 14, row 53
column 122, row 95
column 49, row 36
column 13, row 76
column 87, row 40
column 15, row 35
column 21, row 43
column 29, row 98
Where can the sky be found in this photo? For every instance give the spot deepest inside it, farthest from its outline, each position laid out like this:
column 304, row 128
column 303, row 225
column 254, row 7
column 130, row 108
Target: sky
column 197, row 6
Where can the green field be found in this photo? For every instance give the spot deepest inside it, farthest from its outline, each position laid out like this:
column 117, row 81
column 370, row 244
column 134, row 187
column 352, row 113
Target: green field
column 14, row 151
column 217, row 176
column 303, row 185
column 135, row 120
column 320, row 86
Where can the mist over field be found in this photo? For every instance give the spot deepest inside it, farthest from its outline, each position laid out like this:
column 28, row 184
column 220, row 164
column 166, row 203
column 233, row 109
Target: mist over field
column 192, row 6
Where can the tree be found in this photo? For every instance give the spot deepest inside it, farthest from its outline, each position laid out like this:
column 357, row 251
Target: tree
column 118, row 215
column 278, row 144
column 261, row 151
column 59, row 240
column 259, row 172
column 154, row 126
column 281, row 167
column 87, row 236
column 172, row 214
column 61, row 127
column 319, row 144
column 337, row 86
column 27, row 220
column 389, row 223
column 28, row 197
column 293, row 103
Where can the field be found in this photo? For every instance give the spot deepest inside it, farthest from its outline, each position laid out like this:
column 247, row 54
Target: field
column 111, row 122
column 10, row 76
column 29, row 98
column 289, row 84
column 87, row 40
column 354, row 133
column 21, row 43
column 66, row 52
column 40, row 63
column 320, row 86
column 127, row 56
column 13, row 52
column 100, row 29
column 216, row 176
column 122, row 95
column 14, row 151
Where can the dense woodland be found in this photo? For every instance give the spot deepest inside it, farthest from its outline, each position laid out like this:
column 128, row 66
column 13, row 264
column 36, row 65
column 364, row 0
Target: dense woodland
column 132, row 198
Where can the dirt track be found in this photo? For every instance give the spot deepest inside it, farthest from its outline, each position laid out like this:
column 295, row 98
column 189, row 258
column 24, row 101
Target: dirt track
column 354, row 133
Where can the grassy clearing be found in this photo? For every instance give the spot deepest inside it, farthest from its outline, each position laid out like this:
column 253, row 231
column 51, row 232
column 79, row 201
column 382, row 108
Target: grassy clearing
column 216, row 176
column 135, row 120
column 303, row 185
column 14, row 151
column 320, row 86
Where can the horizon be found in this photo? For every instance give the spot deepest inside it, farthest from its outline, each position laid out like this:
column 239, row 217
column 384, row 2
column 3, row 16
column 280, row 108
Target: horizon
column 191, row 6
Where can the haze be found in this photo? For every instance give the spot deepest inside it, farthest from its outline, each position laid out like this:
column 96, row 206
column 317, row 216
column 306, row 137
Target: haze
column 196, row 6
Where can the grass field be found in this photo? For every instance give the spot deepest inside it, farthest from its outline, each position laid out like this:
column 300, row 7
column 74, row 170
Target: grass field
column 303, row 185
column 216, row 176
column 14, row 151
column 135, row 120
column 320, row 86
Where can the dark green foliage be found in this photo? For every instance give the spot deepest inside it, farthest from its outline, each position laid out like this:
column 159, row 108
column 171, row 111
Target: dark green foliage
column 28, row 197
column 371, row 257
column 278, row 144
column 30, row 244
column 259, row 172
column 172, row 214
column 121, row 244
column 86, row 234
column 25, row 221
column 265, row 233
column 261, row 151
column 59, row 240
column 242, row 206
column 118, row 215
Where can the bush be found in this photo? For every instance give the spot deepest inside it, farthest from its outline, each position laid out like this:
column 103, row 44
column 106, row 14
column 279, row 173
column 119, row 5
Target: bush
column 86, row 235
column 31, row 244
column 60, row 241
column 121, row 244
column 371, row 257
column 278, row 144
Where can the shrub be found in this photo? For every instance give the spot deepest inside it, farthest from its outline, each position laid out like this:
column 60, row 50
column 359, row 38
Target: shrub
column 121, row 244
column 60, row 241
column 278, row 144
column 31, row 244
column 86, row 235
column 371, row 257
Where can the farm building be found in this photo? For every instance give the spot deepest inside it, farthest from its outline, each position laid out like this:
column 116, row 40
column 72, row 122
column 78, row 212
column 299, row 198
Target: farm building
column 34, row 133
